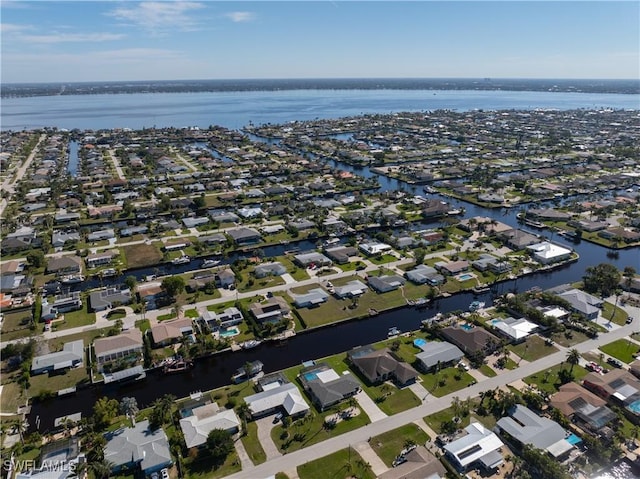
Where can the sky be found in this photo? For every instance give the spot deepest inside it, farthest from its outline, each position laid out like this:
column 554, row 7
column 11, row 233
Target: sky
column 51, row 41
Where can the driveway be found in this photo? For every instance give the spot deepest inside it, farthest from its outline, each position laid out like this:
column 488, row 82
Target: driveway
column 265, row 425
column 366, row 403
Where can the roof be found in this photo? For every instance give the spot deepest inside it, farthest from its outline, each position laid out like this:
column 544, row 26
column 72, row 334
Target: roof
column 286, row 395
column 311, row 297
column 420, row 464
column 352, row 287
column 438, row 351
column 379, row 363
column 138, row 444
column 472, row 340
column 565, row 399
column 527, row 427
column 515, row 328
column 171, row 329
column 205, row 419
column 581, row 301
column 243, row 233
column 63, row 262
column 122, row 342
column 477, row 443
column 71, row 352
column 327, row 386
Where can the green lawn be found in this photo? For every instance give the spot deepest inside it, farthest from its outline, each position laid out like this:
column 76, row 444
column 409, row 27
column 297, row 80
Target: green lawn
column 548, row 380
column 11, row 397
column 533, row 348
column 74, row 319
column 140, row 255
column 387, row 258
column 617, row 315
column 622, row 349
column 16, row 324
column 44, row 382
column 252, row 445
column 350, row 266
column 445, row 382
column 436, row 420
column 389, row 444
column 487, row 371
column 202, row 467
column 342, row 464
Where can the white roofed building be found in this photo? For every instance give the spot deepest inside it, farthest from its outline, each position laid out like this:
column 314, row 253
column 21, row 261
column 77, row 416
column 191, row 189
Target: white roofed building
column 479, row 447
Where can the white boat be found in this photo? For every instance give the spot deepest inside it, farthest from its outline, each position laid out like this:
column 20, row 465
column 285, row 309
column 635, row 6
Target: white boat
column 476, row 305
column 181, row 260
column 332, row 241
column 72, row 279
column 210, row 263
column 106, row 273
column 393, row 332
column 252, row 343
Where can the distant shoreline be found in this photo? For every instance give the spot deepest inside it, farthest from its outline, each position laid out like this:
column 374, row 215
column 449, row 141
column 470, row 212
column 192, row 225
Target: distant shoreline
column 20, row 90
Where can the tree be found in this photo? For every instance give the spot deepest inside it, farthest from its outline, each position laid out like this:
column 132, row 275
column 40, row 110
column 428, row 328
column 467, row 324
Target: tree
column 573, row 358
column 628, row 273
column 173, row 285
column 603, row 278
column 130, row 282
column 104, row 410
column 101, row 469
column 219, row 444
column 35, row 258
column 129, row 407
column 161, row 412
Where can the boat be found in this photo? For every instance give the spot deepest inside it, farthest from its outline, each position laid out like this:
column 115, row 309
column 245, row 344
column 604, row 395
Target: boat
column 184, row 259
column 373, row 312
column 248, row 371
column 177, row 366
column 429, row 189
column 332, row 241
column 252, row 343
column 72, row 279
column 393, row 332
column 476, row 305
column 421, row 302
column 480, row 289
column 210, row 263
column 107, row 273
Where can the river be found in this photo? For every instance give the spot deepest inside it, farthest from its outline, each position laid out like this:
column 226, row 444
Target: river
column 235, row 110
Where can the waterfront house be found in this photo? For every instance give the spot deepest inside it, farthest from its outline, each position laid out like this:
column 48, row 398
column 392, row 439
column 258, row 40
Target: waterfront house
column 477, row 448
column 152, row 295
column 584, row 408
column 517, row 239
column 225, row 278
column 101, row 259
column 379, row 365
column 326, row 387
column 374, row 248
column 231, row 316
column 452, row 268
column 272, row 310
column 276, row 393
column 471, row 340
column 548, row 253
column 133, row 230
column 101, row 235
column 311, row 298
column 67, row 264
column 386, row 283
column 167, row 332
column 71, row 356
column 109, row 298
column 437, row 353
column 311, row 259
column 514, row 330
column 137, row 448
column 352, row 289
column 244, row 236
column 524, row 427
column 422, row 274
column 341, row 254
column 583, row 303
column 64, row 217
column 127, row 346
column 66, row 302
column 203, row 419
column 269, row 269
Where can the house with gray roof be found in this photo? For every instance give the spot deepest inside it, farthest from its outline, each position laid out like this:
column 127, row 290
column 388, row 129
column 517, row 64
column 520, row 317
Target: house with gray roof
column 100, row 235
column 518, row 239
column 244, row 236
column 269, row 269
column 583, row 303
column 223, row 216
column 386, row 283
column 279, row 395
column 133, row 230
column 59, row 238
column 71, row 356
column 436, row 353
column 379, row 365
column 138, row 448
column 341, row 254
column 272, row 310
column 203, row 419
column 109, row 298
column 326, row 387
column 64, row 264
column 471, row 341
column 311, row 298
column 225, row 319
column 423, row 274
column 479, row 447
column 311, row 258
column 127, row 345
column 525, row 427
column 302, row 224
column 350, row 290
column 195, row 221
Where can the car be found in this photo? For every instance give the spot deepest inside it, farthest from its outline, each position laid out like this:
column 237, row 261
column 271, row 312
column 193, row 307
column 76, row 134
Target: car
column 629, row 320
column 614, row 362
column 277, row 417
column 154, row 475
column 164, row 473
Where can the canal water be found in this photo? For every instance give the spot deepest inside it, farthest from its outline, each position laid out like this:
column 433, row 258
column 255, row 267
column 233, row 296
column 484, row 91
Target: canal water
column 74, row 160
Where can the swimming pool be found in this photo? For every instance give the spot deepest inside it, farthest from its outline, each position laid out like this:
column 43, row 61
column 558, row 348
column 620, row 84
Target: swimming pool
column 419, row 342
column 465, row 277
column 310, row 376
column 227, row 333
column 467, row 327
column 635, row 406
column 573, row 439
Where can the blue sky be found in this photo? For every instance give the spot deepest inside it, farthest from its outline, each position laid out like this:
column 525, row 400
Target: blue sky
column 45, row 41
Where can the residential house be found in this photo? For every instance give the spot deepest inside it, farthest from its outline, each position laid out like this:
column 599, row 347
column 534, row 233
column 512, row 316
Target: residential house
column 276, row 393
column 71, row 356
column 548, row 253
column 423, row 274
column 101, row 259
column 167, row 332
column 619, row 387
column 127, row 345
column 109, row 298
column 437, row 354
column 101, row 235
column 195, row 222
column 374, row 248
column 517, row 239
column 418, row 463
column 244, row 236
column 514, row 330
column 225, row 278
column 269, row 269
column 138, row 448
column 310, row 299
column 203, row 419
column 152, row 295
column 583, row 303
column 478, row 448
column 352, row 289
column 386, row 283
column 451, row 268
column 274, row 309
column 64, row 264
column 326, row 387
column 66, row 302
column 471, row 341
column 524, row 427
column 312, row 259
column 341, row 254
column 379, row 365
column 59, row 238
column 584, row 408
column 231, row 316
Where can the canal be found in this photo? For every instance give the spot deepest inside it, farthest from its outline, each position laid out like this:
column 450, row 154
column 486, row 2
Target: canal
column 215, row 371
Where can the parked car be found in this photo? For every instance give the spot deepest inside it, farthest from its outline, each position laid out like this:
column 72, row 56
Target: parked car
column 629, row 320
column 277, row 417
column 165, row 473
column 614, row 362
column 154, row 475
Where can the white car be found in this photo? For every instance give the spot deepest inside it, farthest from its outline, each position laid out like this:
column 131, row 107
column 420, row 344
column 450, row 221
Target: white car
column 165, row 473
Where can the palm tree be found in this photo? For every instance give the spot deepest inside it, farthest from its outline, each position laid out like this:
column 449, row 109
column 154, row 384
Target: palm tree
column 101, row 469
column 573, row 358
column 129, row 407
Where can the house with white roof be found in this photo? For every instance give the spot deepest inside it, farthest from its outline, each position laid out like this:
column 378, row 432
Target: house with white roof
column 548, row 253
column 311, row 298
column 72, row 355
column 478, row 448
column 437, row 352
column 138, row 447
column 204, row 419
column 350, row 290
column 277, row 395
column 372, row 249
column 515, row 330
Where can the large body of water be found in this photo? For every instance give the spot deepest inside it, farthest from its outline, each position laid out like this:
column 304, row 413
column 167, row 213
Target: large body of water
column 236, row 109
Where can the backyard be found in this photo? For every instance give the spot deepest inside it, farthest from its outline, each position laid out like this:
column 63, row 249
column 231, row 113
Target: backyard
column 622, row 349
column 389, row 444
column 342, row 464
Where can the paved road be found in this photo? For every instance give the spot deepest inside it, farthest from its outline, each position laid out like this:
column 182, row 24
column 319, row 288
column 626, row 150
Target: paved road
column 116, row 164
column 431, row 406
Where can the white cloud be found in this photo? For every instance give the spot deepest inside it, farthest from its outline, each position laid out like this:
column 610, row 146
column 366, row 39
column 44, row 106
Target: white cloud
column 240, row 17
column 13, row 28
column 159, row 17
column 72, row 37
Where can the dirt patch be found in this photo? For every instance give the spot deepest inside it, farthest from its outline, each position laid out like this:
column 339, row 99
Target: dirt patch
column 140, row 255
